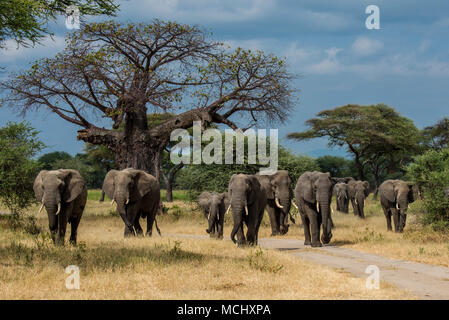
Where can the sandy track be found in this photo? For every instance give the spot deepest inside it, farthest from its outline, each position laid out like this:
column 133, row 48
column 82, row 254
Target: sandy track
column 423, row 280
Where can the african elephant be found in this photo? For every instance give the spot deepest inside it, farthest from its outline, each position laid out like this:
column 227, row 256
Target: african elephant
column 214, row 206
column 341, row 196
column 137, row 195
column 395, row 195
column 313, row 195
column 248, row 200
column 357, row 192
column 279, row 197
column 63, row 193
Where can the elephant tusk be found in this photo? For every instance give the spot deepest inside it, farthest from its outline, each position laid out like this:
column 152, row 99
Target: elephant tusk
column 397, row 206
column 59, row 208
column 40, row 209
column 227, row 210
column 356, row 201
column 246, row 210
column 294, row 204
column 317, row 206
column 276, row 200
column 112, row 202
column 127, row 201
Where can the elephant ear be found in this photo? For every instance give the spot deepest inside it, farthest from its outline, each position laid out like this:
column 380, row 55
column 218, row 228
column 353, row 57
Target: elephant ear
column 144, row 182
column 389, row 191
column 74, row 185
column 38, row 185
column 411, row 192
column 226, row 199
column 367, row 187
column 308, row 191
column 108, row 183
column 266, row 182
column 203, row 200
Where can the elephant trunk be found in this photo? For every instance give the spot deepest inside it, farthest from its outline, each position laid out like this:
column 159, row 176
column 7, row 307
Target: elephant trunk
column 213, row 217
column 238, row 212
column 325, row 211
column 121, row 209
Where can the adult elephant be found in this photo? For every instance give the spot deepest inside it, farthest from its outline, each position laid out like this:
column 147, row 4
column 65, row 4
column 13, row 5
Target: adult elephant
column 357, row 192
column 63, row 193
column 395, row 196
column 248, row 200
column 214, row 206
column 341, row 196
column 279, row 197
column 313, row 195
column 137, row 195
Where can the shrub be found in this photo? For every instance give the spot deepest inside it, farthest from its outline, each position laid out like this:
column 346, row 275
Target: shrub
column 19, row 143
column 430, row 172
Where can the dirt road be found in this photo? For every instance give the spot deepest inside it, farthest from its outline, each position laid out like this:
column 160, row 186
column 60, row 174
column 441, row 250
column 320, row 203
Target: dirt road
column 424, row 281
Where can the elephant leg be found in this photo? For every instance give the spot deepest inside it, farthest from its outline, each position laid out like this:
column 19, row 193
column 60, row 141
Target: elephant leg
column 220, row 224
column 395, row 214
column 315, row 224
column 62, row 226
column 387, row 214
column 273, row 221
column 402, row 219
column 306, row 226
column 361, row 211
column 137, row 227
column 253, row 221
column 74, row 222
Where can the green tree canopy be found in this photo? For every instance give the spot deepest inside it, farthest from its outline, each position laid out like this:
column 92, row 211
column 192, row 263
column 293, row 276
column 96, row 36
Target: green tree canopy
column 337, row 166
column 19, row 143
column 437, row 136
column 377, row 136
column 48, row 160
column 26, row 21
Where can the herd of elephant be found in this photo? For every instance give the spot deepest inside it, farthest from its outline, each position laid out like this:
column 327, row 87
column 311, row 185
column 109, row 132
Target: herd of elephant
column 136, row 193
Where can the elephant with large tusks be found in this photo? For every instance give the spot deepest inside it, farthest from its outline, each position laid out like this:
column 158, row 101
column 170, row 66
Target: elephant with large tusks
column 248, row 201
column 137, row 195
column 214, row 206
column 395, row 196
column 279, row 199
column 341, row 196
column 313, row 195
column 358, row 191
column 63, row 193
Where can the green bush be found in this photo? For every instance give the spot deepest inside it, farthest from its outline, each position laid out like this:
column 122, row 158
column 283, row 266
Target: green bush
column 19, row 143
column 430, row 172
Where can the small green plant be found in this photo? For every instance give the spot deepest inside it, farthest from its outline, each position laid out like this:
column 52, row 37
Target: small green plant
column 176, row 250
column 24, row 223
column 258, row 260
column 369, row 236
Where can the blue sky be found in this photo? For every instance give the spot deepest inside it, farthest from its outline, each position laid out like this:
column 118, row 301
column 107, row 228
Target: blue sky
column 405, row 64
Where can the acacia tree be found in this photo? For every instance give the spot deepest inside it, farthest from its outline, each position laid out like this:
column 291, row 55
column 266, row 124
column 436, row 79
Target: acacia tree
column 26, row 21
column 437, row 136
column 123, row 72
column 376, row 135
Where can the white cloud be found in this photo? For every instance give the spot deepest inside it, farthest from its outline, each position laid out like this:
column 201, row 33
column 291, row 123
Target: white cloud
column 364, row 46
column 47, row 48
column 329, row 65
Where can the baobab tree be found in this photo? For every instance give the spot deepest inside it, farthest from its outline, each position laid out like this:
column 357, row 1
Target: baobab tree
column 123, row 72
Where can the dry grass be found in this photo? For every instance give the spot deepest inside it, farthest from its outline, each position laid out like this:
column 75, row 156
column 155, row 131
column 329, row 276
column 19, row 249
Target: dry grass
column 163, row 268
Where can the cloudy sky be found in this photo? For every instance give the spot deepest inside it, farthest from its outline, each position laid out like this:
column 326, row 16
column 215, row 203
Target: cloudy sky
column 404, row 64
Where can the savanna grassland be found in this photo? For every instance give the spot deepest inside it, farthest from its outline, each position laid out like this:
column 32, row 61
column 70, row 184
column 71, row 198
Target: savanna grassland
column 172, row 267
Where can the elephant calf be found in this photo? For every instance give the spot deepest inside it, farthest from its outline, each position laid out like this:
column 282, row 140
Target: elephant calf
column 358, row 191
column 63, row 193
column 214, row 206
column 395, row 195
column 341, row 195
column 137, row 195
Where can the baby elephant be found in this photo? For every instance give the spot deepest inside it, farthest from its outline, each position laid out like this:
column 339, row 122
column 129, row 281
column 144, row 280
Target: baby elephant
column 214, row 206
column 63, row 193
